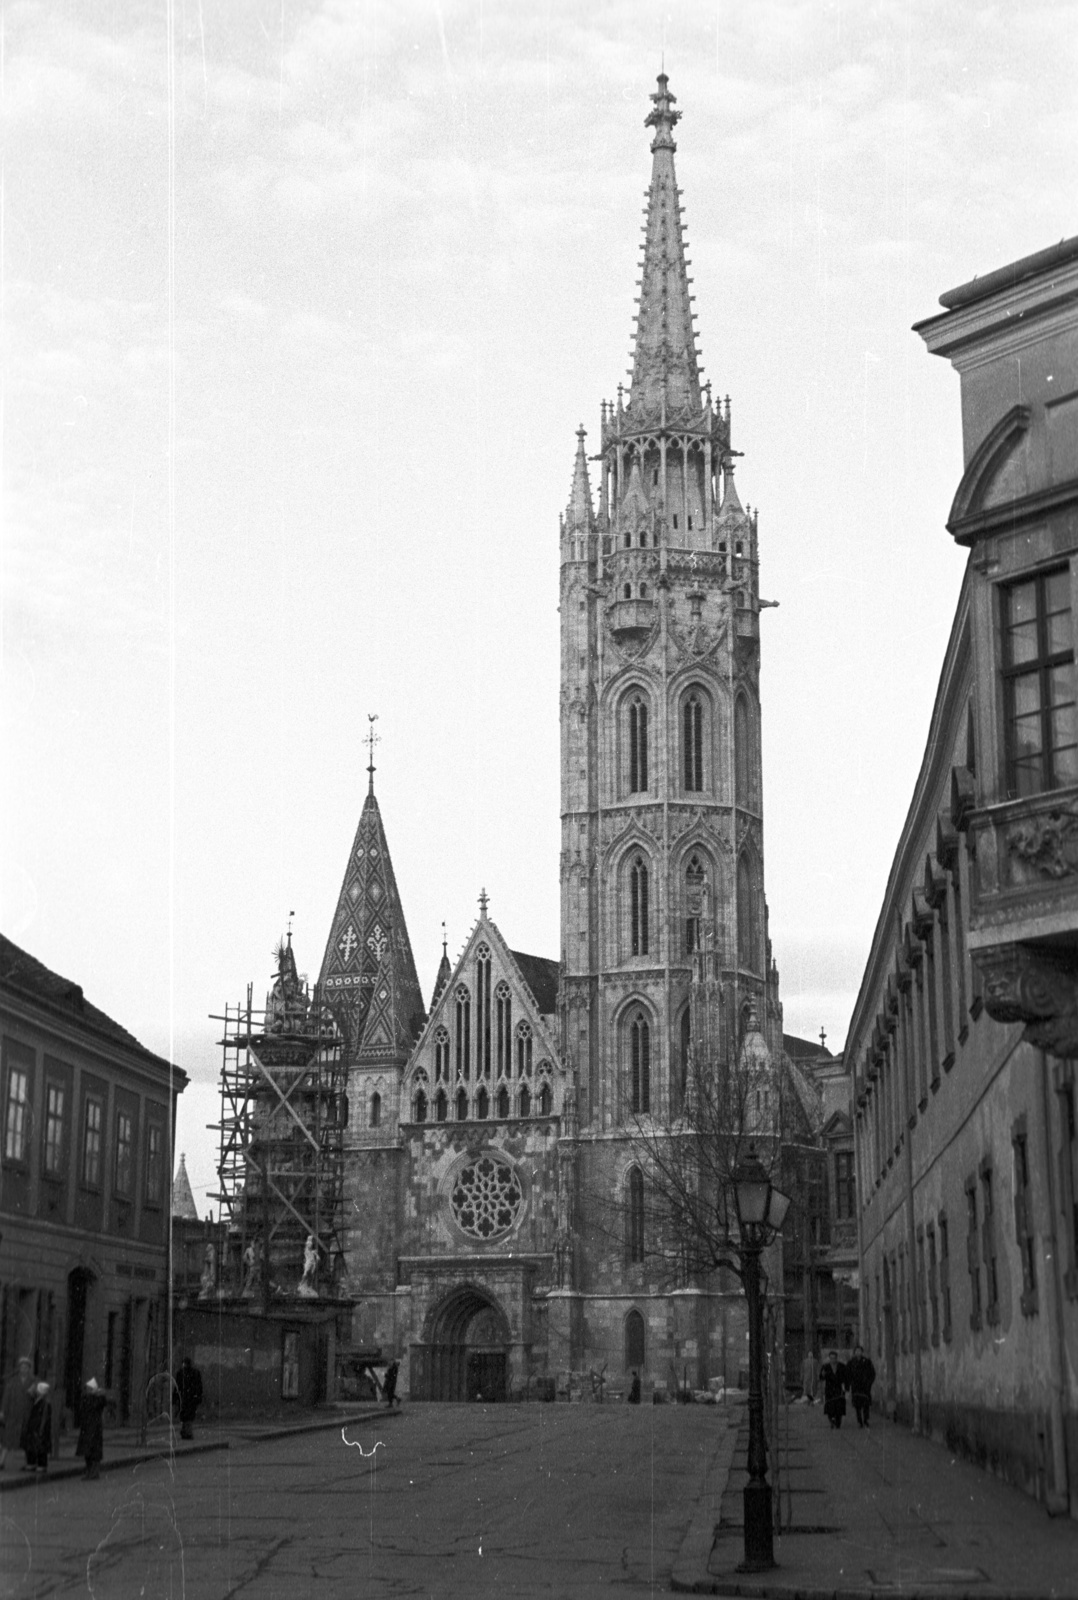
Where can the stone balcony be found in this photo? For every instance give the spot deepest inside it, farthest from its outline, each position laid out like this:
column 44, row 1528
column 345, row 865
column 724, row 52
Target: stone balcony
column 631, row 620
column 1023, row 915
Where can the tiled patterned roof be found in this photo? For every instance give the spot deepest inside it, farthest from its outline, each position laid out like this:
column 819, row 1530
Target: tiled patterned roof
column 541, row 975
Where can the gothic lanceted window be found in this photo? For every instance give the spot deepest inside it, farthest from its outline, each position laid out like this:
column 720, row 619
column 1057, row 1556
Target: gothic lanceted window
column 639, row 942
column 695, row 883
column 441, row 1055
column 685, row 1055
column 546, row 1100
column 525, row 1101
column 503, row 1030
column 441, row 1106
column 502, row 1102
column 748, row 931
column 420, row 1106
column 1039, row 690
column 638, row 744
column 639, row 1064
column 462, row 1106
column 482, row 1105
column 463, row 1031
column 634, row 1342
column 482, row 1002
column 692, row 743
column 744, row 755
column 376, row 1109
column 636, row 1214
column 524, row 1050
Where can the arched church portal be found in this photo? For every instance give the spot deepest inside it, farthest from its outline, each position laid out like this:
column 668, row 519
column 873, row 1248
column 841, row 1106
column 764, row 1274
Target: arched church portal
column 468, row 1352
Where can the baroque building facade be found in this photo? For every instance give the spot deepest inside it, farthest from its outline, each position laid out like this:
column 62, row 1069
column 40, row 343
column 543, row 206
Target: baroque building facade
column 963, row 1042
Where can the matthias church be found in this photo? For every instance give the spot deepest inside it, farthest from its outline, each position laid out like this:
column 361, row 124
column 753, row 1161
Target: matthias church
column 494, row 1198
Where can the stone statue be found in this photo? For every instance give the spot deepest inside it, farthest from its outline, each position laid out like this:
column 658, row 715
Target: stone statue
column 252, row 1269
column 208, row 1281
column 307, row 1286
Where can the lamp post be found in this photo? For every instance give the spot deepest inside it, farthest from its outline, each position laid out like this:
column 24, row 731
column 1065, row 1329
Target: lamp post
column 761, row 1211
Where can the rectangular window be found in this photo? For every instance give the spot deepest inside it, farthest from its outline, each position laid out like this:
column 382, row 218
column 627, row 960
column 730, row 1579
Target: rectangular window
column 973, row 1255
column 933, row 1286
column 945, row 1276
column 17, row 1114
column 845, row 1187
column 1023, row 1216
column 988, row 1244
column 922, row 1292
column 154, row 1147
column 54, row 1129
column 1041, row 727
column 93, row 1119
column 124, row 1153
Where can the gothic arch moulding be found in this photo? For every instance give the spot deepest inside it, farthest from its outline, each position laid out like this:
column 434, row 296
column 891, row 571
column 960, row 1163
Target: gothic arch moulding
column 695, row 729
column 987, row 462
column 746, row 752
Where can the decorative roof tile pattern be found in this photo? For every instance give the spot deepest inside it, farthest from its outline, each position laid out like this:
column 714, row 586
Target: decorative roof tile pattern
column 183, row 1200
column 368, row 973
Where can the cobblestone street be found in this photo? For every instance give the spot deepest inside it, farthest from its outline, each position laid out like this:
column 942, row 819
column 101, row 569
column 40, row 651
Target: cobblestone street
column 439, row 1500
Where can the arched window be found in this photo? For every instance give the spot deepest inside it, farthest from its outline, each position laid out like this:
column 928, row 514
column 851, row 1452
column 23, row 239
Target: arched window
column 482, row 997
column 744, row 757
column 441, row 1055
column 638, row 907
column 692, row 742
column 546, row 1100
column 748, row 934
column 524, row 1050
column 441, row 1106
column 686, row 1052
column 462, row 1106
column 628, row 591
column 643, row 591
column 638, row 744
column 695, row 880
column 525, row 1102
column 376, row 1109
column 503, row 1102
column 636, row 1214
column 503, row 1030
column 634, row 1342
column 639, row 1064
column 482, row 1105
column 464, row 1032
column 420, row 1106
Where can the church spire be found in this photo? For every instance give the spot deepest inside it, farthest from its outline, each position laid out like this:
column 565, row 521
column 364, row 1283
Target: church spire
column 665, row 371
column 368, row 973
column 579, row 514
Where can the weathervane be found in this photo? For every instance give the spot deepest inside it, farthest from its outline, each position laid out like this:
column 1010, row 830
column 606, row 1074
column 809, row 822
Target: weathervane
column 371, row 740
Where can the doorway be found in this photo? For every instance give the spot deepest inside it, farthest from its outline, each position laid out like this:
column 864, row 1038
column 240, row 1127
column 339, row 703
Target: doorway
column 468, row 1353
column 78, row 1293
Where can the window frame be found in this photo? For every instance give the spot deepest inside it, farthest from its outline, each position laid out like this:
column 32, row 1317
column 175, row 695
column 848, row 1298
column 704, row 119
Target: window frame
column 125, row 1191
column 92, row 1102
column 1040, row 667
column 54, row 1130
column 23, row 1072
column 153, row 1187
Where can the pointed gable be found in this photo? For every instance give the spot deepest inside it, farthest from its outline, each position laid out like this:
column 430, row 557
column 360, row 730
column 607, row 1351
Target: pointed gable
column 488, row 1038
column 183, row 1201
column 368, row 974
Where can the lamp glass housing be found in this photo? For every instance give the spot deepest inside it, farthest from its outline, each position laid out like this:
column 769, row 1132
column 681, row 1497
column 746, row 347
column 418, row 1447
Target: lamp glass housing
column 753, row 1187
column 777, row 1206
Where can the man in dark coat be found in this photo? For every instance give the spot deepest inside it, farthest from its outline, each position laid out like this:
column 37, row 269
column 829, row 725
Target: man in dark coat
column 861, row 1375
column 188, row 1395
column 91, row 1440
column 634, row 1390
column 389, row 1385
column 833, row 1378
column 37, row 1430
column 15, row 1407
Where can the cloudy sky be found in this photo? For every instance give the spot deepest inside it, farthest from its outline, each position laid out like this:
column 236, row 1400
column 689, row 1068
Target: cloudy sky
column 301, row 306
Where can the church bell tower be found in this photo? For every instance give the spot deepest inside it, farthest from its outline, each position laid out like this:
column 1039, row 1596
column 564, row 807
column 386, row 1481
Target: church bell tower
column 662, row 886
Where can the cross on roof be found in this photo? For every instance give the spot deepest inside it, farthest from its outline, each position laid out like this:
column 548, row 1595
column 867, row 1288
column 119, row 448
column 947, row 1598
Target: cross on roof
column 823, row 1037
column 371, row 740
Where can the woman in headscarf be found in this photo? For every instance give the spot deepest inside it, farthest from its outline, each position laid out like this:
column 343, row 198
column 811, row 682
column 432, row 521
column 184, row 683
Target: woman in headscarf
column 37, row 1430
column 91, row 1441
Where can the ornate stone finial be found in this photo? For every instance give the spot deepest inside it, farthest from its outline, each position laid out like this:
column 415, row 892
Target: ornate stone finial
column 445, row 943
column 664, row 118
column 371, row 740
column 288, row 930
column 484, row 901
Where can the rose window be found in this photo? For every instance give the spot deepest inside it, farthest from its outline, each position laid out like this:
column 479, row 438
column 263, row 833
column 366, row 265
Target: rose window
column 486, row 1198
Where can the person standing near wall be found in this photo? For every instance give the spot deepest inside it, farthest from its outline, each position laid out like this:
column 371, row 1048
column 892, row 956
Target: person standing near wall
column 91, row 1440
column 188, row 1396
column 37, row 1430
column 15, row 1407
column 810, row 1376
column 862, row 1375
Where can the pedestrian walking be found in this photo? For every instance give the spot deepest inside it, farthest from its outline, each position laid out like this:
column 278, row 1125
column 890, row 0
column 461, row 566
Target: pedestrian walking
column 389, row 1385
column 15, row 1407
column 91, row 1441
column 862, row 1375
column 810, row 1376
column 634, row 1390
column 833, row 1378
column 37, row 1430
column 188, row 1395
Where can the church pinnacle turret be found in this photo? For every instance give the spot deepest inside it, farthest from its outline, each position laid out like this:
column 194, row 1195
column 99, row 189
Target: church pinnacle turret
column 665, row 371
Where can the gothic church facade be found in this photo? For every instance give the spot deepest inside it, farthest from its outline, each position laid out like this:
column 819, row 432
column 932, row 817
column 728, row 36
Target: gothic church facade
column 494, row 1191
